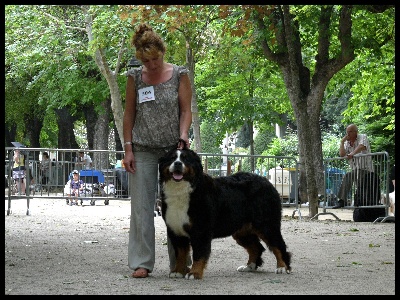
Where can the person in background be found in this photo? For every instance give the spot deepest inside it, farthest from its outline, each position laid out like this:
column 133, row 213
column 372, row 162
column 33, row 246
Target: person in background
column 19, row 171
column 32, row 186
column 76, row 187
column 157, row 113
column 392, row 198
column 391, row 179
column 351, row 144
column 84, row 161
column 45, row 168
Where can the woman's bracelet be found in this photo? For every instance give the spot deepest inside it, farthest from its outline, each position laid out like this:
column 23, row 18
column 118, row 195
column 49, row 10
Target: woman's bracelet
column 128, row 143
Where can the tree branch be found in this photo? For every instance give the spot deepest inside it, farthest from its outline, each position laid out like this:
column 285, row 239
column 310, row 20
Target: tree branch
column 58, row 21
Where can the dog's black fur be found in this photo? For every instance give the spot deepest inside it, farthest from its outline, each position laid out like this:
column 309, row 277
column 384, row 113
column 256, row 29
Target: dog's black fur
column 198, row 208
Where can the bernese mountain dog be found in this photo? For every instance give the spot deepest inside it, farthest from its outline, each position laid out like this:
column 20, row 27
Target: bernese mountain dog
column 198, row 208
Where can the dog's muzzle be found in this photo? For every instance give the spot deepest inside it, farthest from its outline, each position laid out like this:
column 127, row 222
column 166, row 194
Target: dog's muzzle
column 177, row 170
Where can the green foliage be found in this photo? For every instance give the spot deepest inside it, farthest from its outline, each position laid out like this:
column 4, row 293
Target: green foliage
column 262, row 140
column 330, row 145
column 243, row 136
column 243, row 164
column 49, row 66
column 368, row 81
column 287, row 146
column 49, row 137
column 211, row 140
column 45, row 55
column 236, row 87
column 335, row 103
column 373, row 103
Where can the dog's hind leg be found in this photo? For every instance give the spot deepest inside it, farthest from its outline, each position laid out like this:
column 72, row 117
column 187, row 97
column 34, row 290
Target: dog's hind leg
column 282, row 260
column 251, row 242
column 275, row 243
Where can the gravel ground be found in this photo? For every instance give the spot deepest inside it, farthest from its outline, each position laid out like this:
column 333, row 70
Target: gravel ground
column 82, row 250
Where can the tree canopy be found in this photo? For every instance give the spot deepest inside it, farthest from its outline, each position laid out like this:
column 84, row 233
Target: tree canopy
column 250, row 65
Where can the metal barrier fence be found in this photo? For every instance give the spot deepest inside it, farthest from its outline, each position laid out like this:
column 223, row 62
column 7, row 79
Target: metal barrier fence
column 104, row 180
column 282, row 171
column 107, row 179
column 366, row 185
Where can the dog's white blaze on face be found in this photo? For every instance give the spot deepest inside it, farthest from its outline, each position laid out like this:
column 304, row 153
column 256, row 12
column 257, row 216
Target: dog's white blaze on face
column 177, row 196
column 178, row 158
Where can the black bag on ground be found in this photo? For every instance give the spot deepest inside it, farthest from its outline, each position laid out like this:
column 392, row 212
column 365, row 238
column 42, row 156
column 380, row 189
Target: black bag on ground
column 368, row 214
column 368, row 190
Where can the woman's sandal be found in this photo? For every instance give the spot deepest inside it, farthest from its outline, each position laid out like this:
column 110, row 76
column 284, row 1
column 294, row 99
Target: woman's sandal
column 140, row 273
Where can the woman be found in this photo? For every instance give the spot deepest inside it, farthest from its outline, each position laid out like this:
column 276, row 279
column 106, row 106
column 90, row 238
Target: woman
column 157, row 113
column 19, row 171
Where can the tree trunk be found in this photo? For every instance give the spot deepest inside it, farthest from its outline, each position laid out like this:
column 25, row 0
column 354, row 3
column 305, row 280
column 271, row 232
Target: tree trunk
column 66, row 136
column 10, row 131
column 306, row 93
column 109, row 75
column 251, row 135
column 195, row 110
column 90, row 119
column 33, row 126
column 118, row 144
column 102, row 130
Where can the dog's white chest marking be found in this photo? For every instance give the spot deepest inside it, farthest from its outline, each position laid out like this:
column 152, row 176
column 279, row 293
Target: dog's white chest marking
column 177, row 196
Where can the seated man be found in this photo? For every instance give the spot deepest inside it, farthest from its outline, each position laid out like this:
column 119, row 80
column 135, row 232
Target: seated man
column 351, row 144
column 83, row 161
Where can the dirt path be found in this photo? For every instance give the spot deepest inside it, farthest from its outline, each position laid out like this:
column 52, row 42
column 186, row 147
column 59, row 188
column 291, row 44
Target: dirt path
column 60, row 249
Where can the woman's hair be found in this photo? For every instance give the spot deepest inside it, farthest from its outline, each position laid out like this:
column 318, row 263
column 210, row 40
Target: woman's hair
column 148, row 44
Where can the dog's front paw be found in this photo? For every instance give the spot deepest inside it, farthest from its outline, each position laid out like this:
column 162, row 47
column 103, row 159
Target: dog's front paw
column 281, row 269
column 192, row 276
column 176, row 275
column 249, row 268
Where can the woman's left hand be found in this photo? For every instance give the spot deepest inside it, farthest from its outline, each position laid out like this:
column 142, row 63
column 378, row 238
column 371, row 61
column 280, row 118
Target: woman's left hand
column 181, row 145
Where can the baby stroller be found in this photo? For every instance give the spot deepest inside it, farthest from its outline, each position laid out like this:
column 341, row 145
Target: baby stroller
column 83, row 193
column 76, row 190
column 95, row 185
